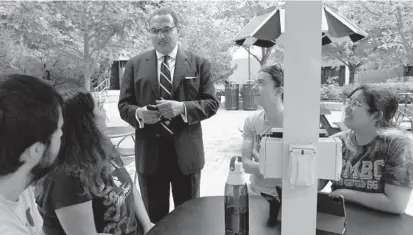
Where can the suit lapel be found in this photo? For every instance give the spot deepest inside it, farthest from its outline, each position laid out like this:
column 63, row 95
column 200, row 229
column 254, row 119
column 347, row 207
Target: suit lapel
column 181, row 66
column 151, row 66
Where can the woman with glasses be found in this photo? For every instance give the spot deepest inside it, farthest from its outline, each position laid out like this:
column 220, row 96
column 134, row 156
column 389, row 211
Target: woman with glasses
column 377, row 167
column 90, row 191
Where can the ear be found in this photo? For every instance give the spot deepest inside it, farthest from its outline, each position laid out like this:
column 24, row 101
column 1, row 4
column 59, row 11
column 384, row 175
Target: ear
column 33, row 154
column 377, row 116
column 279, row 90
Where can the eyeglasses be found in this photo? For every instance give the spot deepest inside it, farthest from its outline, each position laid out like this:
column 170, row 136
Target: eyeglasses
column 166, row 30
column 353, row 104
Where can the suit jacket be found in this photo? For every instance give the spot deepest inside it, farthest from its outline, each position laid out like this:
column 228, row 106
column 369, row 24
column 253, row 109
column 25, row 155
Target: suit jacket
column 140, row 87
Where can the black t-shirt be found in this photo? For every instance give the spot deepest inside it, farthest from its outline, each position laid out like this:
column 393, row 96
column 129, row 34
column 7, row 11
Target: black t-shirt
column 113, row 209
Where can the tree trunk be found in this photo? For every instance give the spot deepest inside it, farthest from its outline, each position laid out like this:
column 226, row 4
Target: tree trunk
column 87, row 77
column 352, row 70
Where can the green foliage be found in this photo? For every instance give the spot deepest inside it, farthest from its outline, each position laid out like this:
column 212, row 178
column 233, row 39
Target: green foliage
column 81, row 34
column 389, row 25
column 399, row 79
column 80, row 39
column 333, row 92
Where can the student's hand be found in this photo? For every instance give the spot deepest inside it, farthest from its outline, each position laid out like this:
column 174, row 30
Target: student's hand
column 147, row 227
column 255, row 155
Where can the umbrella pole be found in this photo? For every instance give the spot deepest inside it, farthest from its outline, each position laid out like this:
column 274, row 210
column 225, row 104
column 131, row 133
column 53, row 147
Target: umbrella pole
column 301, row 99
column 249, row 63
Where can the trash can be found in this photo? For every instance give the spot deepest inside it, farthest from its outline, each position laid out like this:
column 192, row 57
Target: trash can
column 231, row 96
column 248, row 101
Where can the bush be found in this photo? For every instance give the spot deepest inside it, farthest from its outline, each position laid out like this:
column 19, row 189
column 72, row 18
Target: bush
column 333, row 92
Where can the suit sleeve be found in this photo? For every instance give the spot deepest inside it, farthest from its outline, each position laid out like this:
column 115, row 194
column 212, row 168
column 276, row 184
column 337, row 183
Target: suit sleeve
column 207, row 104
column 127, row 99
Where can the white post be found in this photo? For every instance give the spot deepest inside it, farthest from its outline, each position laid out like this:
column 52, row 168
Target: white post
column 302, row 63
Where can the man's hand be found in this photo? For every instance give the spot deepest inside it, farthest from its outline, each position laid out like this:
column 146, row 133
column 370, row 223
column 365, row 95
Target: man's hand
column 148, row 116
column 170, row 108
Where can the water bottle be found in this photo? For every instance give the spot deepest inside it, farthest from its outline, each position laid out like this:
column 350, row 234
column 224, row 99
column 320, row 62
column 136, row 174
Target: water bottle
column 236, row 200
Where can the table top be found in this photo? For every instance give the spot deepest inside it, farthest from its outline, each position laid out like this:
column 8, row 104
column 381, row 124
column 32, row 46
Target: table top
column 205, row 216
column 119, row 131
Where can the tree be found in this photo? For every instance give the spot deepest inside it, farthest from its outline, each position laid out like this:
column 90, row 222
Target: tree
column 352, row 55
column 389, row 26
column 249, row 11
column 83, row 32
column 207, row 28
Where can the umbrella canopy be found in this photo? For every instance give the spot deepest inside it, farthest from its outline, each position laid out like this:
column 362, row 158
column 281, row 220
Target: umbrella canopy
column 268, row 25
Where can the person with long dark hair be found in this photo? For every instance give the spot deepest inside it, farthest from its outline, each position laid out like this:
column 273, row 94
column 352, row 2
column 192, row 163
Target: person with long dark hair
column 377, row 156
column 90, row 191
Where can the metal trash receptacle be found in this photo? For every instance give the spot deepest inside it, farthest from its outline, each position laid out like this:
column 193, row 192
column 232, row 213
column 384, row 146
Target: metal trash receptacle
column 232, row 96
column 248, row 101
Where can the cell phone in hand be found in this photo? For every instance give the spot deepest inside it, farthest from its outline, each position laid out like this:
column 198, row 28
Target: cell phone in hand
column 151, row 107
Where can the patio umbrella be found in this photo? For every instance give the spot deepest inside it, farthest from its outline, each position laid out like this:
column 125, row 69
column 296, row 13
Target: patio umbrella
column 268, row 25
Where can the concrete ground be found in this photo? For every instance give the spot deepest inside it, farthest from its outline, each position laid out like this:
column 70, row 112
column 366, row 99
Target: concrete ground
column 222, row 140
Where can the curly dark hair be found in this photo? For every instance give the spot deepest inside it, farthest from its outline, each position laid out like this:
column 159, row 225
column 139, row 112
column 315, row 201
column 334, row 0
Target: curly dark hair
column 380, row 100
column 86, row 151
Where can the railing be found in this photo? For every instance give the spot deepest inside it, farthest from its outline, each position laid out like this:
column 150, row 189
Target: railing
column 101, row 90
column 404, row 115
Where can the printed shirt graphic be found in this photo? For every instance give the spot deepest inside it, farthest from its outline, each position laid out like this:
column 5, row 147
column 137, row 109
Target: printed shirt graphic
column 256, row 126
column 113, row 208
column 21, row 217
column 388, row 159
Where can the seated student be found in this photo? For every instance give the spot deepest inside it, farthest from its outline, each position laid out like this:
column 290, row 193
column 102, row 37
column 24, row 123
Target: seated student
column 377, row 157
column 268, row 94
column 90, row 191
column 30, row 130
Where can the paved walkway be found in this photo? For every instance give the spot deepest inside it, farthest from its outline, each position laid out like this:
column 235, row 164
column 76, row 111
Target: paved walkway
column 222, row 140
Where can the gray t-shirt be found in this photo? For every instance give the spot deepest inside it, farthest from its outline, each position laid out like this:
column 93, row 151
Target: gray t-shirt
column 255, row 126
column 387, row 159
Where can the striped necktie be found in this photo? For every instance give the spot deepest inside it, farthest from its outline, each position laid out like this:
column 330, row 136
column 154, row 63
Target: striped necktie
column 165, row 86
column 165, row 80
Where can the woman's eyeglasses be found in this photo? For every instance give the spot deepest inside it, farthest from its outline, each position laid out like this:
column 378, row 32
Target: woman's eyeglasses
column 353, row 104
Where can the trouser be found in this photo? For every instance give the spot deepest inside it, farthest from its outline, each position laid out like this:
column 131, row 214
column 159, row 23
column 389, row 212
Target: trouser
column 155, row 188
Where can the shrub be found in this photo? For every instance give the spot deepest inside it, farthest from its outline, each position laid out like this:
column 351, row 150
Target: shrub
column 333, row 92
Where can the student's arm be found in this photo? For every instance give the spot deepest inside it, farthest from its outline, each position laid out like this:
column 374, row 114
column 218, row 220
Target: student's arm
column 248, row 151
column 141, row 212
column 250, row 166
column 72, row 207
column 394, row 200
column 77, row 219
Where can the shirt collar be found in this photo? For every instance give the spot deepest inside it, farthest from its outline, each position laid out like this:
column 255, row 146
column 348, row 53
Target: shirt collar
column 172, row 54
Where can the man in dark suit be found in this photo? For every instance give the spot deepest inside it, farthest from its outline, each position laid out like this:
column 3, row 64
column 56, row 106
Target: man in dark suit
column 169, row 146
